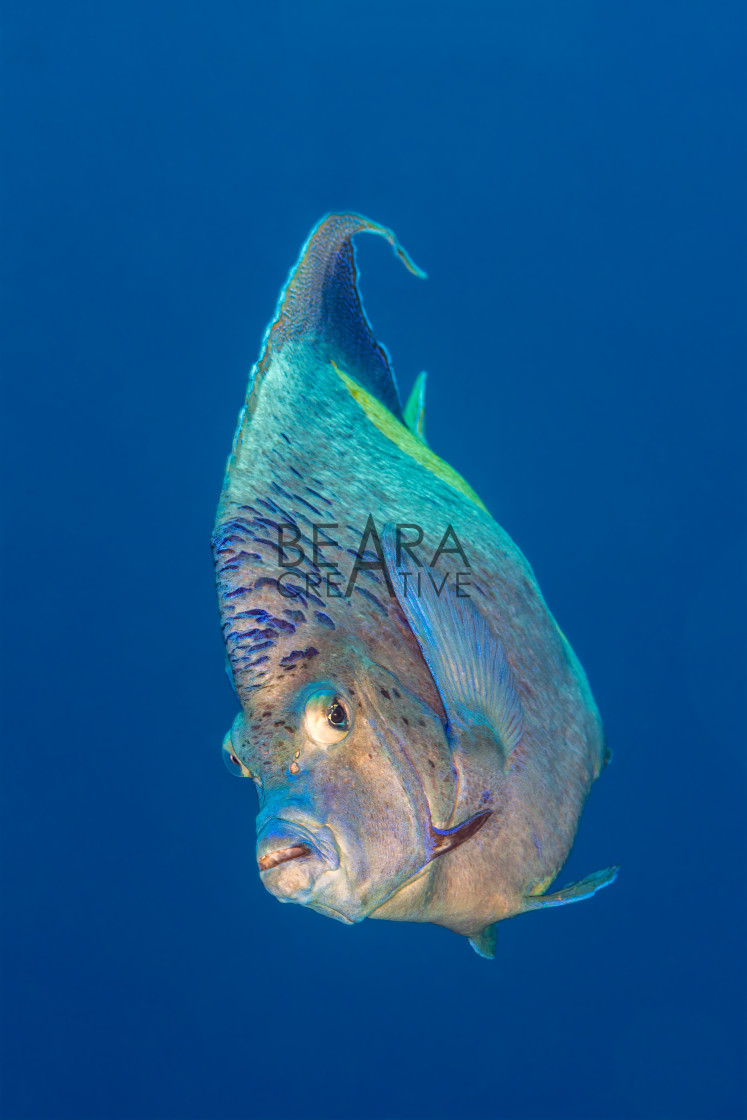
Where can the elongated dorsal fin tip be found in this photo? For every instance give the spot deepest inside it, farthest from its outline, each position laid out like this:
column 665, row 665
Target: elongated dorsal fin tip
column 320, row 305
column 321, row 302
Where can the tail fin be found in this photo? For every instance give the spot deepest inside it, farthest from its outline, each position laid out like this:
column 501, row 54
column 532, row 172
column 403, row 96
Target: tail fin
column 415, row 408
column 484, row 942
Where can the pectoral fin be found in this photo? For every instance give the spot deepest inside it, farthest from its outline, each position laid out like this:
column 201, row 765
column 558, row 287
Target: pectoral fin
column 466, row 658
column 574, row 892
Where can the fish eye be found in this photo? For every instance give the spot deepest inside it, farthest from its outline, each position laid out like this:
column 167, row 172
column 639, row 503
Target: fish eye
column 234, row 765
column 327, row 717
column 336, row 714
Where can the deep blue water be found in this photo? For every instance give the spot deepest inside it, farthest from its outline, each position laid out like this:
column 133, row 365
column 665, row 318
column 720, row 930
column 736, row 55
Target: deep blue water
column 572, row 176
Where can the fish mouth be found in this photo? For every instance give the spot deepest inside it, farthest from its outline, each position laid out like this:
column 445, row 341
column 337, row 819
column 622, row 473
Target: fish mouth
column 293, row 857
column 282, row 855
column 281, row 839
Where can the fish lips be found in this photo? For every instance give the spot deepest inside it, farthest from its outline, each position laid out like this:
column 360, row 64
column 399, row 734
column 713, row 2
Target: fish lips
column 292, row 857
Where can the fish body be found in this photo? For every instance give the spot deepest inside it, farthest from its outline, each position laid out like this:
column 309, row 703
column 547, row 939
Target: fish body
column 420, row 733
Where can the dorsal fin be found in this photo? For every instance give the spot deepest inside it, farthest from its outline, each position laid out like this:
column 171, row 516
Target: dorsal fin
column 321, row 302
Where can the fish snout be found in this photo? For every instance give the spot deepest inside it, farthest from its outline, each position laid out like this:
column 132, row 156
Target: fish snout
column 292, row 857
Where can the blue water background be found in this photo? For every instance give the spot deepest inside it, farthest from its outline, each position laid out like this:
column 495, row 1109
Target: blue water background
column 572, row 176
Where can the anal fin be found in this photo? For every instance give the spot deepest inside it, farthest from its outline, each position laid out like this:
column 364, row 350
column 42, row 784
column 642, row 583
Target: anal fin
column 574, row 892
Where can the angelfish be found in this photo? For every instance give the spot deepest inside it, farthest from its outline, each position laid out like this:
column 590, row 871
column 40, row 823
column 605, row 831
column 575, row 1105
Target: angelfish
column 420, row 734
